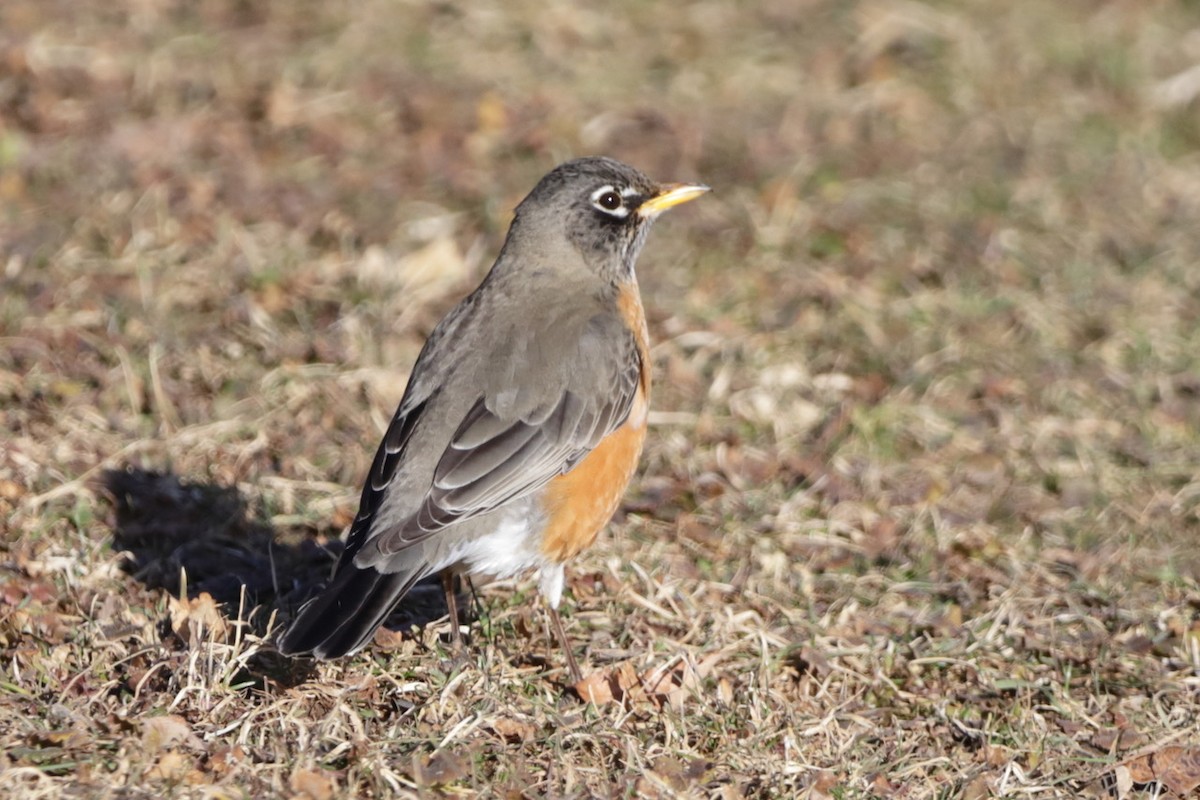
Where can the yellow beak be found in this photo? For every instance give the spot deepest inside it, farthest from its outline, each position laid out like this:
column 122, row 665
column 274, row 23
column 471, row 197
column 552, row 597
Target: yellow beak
column 670, row 194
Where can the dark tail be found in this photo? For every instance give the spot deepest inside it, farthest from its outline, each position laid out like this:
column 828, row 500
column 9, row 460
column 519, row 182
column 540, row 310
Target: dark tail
column 344, row 617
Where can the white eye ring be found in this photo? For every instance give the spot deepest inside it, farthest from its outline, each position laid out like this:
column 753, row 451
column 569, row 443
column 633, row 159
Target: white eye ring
column 610, row 201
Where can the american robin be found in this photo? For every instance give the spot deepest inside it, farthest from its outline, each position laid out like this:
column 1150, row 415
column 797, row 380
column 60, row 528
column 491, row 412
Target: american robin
column 523, row 418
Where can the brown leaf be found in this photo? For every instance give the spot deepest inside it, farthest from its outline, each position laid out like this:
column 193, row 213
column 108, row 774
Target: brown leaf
column 172, row 766
column 997, row 755
column 159, row 733
column 439, row 769
column 67, row 739
column 18, row 590
column 605, row 686
column 1112, row 740
column 198, row 619
column 677, row 773
column 388, row 639
column 660, row 685
column 725, row 691
column 594, row 584
column 223, row 758
column 822, row 788
column 1176, row 768
column 513, row 730
column 672, row 685
column 883, row 539
column 702, row 532
column 670, row 776
column 1179, row 768
column 977, row 789
column 882, row 786
column 313, row 784
column 1141, row 769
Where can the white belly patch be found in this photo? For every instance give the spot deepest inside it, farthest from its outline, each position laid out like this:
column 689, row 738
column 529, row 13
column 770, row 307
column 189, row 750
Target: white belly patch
column 511, row 549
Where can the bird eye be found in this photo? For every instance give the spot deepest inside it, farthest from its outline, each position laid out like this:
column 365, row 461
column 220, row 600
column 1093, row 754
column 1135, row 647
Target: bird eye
column 610, row 201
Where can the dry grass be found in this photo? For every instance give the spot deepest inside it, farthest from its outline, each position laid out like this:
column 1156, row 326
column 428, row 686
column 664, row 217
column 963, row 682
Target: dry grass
column 920, row 511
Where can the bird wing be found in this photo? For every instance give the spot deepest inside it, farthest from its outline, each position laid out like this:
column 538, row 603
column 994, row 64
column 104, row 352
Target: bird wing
column 491, row 461
column 387, row 461
column 494, row 457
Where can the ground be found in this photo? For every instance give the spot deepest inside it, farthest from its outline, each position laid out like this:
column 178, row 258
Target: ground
column 919, row 515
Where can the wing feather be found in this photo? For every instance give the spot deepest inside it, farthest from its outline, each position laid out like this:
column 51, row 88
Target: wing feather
column 461, row 466
column 490, row 460
column 383, row 470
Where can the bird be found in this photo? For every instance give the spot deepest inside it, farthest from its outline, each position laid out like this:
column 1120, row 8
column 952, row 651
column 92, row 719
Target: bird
column 523, row 419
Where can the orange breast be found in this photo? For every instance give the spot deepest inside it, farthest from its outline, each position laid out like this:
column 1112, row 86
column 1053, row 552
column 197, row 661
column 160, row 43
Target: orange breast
column 579, row 503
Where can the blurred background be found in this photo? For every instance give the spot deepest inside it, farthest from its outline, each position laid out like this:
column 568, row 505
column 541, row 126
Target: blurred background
column 925, row 431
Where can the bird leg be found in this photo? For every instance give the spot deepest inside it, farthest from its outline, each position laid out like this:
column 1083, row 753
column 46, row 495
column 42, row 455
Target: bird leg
column 452, row 611
column 572, row 664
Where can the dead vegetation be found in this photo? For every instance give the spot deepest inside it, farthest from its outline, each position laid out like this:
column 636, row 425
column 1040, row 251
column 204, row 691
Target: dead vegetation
column 918, row 515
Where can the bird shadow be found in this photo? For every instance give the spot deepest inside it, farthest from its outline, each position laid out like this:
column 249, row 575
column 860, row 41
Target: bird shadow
column 191, row 538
